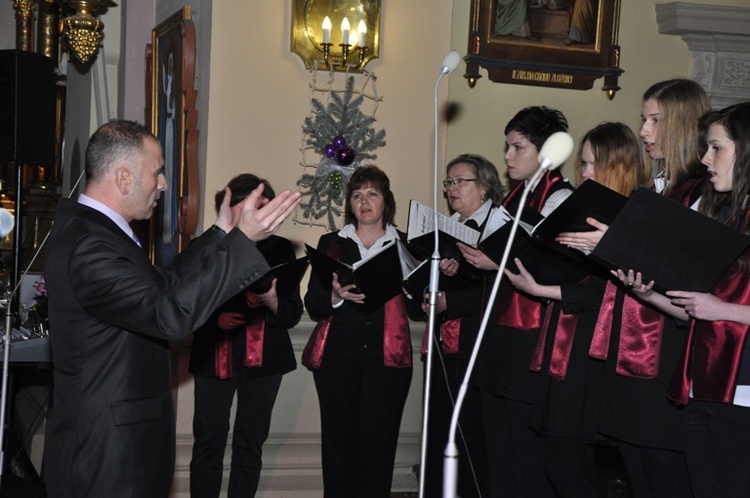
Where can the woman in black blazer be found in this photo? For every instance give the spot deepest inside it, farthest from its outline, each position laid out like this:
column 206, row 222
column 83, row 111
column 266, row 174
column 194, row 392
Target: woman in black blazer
column 361, row 363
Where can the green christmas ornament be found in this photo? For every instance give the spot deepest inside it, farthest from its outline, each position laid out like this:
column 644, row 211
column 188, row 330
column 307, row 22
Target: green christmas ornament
column 336, row 179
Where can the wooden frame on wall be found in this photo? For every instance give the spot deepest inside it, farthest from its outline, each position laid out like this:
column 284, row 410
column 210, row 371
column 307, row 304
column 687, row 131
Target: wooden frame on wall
column 552, row 59
column 172, row 99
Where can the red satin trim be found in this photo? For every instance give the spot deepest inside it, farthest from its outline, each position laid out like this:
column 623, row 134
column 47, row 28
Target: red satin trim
column 563, row 345
column 312, row 356
column 603, row 329
column 396, row 338
column 254, row 333
column 640, row 340
column 713, row 351
column 450, row 330
column 223, row 356
column 449, row 333
column 516, row 310
column 538, row 357
column 641, row 328
column 543, row 190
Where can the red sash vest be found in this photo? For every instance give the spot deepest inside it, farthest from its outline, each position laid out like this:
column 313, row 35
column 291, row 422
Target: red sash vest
column 396, row 338
column 514, row 309
column 641, row 326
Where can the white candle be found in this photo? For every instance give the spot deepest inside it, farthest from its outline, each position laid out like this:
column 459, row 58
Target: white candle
column 345, row 27
column 362, row 29
column 326, row 30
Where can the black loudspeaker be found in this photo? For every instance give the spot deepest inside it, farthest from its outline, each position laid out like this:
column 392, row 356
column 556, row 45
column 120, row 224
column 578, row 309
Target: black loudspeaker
column 27, row 108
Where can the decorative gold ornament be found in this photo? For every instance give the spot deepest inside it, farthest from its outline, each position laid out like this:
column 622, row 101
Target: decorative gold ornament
column 24, row 20
column 82, row 31
column 318, row 26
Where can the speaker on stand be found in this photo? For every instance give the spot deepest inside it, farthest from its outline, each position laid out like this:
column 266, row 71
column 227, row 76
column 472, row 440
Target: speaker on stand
column 27, row 137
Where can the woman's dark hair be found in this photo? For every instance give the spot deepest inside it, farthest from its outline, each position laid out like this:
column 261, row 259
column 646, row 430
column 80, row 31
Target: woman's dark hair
column 735, row 120
column 374, row 177
column 537, row 123
column 486, row 174
column 241, row 186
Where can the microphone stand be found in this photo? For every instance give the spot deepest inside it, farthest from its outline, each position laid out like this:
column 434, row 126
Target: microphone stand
column 561, row 149
column 450, row 461
column 450, row 63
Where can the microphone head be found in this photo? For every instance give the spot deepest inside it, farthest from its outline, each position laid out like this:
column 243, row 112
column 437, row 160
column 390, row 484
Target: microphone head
column 450, row 62
column 556, row 150
column 7, row 222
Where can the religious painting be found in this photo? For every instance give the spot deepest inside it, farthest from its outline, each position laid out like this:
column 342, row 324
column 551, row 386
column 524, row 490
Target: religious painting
column 173, row 121
column 554, row 43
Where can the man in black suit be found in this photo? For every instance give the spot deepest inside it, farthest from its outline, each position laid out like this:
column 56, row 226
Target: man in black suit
column 110, row 431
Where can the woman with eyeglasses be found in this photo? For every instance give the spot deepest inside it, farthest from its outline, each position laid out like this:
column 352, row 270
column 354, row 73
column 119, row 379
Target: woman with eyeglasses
column 473, row 189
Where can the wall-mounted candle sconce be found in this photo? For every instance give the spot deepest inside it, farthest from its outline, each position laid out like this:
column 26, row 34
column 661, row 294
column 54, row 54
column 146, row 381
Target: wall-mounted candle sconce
column 313, row 35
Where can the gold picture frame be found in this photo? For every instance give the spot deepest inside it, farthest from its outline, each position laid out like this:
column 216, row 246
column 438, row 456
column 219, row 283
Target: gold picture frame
column 574, row 51
column 171, row 105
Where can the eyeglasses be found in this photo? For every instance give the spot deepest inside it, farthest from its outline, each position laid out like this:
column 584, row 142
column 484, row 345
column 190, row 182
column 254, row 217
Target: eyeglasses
column 458, row 182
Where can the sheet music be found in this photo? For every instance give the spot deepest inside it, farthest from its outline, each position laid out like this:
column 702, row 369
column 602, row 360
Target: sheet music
column 422, row 221
column 499, row 217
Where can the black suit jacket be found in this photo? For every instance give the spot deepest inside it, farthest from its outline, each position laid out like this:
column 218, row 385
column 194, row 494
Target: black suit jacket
column 110, row 430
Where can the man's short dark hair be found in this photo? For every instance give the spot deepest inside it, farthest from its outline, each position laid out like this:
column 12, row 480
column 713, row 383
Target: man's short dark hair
column 113, row 141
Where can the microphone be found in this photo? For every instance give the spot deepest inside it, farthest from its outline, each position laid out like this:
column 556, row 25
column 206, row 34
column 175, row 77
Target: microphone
column 555, row 150
column 7, row 222
column 450, row 62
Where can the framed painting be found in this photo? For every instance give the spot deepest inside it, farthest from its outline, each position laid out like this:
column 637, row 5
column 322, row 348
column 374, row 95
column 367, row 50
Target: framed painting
column 553, row 43
column 172, row 98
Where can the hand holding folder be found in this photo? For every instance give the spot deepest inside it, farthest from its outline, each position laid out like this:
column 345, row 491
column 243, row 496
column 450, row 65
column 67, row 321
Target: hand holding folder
column 378, row 277
column 676, row 247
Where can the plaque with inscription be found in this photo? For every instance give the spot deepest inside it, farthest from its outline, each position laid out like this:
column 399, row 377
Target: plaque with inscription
column 553, row 43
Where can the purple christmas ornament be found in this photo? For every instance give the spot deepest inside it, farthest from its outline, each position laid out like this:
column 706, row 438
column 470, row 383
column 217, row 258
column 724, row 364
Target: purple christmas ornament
column 345, row 155
column 339, row 141
column 329, row 150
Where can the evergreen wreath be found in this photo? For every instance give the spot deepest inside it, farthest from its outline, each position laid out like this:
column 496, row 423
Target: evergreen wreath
column 344, row 136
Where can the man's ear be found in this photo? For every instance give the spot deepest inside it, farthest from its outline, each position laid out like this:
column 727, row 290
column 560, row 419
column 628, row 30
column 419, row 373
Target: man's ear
column 123, row 179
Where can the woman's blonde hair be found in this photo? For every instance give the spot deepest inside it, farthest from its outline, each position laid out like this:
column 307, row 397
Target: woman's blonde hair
column 681, row 102
column 617, row 157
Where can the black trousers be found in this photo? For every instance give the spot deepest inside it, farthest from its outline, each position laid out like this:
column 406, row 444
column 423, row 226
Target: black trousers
column 656, row 472
column 473, row 474
column 213, row 403
column 515, row 452
column 361, row 403
column 717, row 447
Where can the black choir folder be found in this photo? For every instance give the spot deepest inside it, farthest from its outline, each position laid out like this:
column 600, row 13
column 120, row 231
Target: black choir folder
column 590, row 200
column 378, row 277
column 288, row 276
column 548, row 261
column 547, row 264
column 676, row 247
